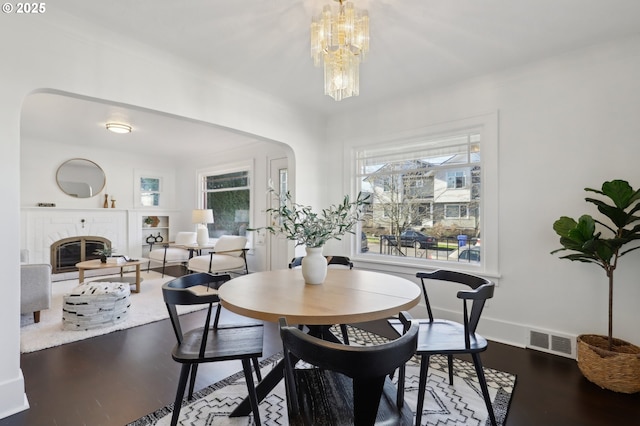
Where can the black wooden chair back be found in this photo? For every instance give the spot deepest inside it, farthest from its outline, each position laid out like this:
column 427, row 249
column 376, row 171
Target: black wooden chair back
column 296, row 262
column 339, row 260
column 367, row 366
column 481, row 290
column 444, row 337
column 177, row 292
column 209, row 344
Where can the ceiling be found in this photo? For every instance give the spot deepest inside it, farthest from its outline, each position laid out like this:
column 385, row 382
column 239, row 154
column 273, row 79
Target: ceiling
column 80, row 121
column 416, row 45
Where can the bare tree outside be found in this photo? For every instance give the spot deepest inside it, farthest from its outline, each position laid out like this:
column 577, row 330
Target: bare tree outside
column 401, row 200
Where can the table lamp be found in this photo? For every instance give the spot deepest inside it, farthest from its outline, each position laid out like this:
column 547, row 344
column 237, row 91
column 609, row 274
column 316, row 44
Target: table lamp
column 202, row 217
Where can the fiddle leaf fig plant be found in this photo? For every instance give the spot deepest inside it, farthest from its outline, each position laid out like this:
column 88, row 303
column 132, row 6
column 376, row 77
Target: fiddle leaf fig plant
column 603, row 245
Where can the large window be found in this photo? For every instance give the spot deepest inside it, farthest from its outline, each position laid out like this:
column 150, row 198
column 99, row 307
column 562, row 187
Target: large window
column 426, row 198
column 228, row 194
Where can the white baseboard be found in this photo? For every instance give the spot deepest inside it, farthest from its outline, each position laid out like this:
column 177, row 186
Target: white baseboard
column 13, row 398
column 513, row 334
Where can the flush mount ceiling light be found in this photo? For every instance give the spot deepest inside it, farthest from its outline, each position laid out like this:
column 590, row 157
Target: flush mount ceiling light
column 118, row 128
column 340, row 42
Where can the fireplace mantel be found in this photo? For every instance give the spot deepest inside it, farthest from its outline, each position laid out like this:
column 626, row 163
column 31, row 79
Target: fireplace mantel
column 42, row 226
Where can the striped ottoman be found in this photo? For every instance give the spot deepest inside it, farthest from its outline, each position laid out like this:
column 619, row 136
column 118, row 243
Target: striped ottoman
column 95, row 305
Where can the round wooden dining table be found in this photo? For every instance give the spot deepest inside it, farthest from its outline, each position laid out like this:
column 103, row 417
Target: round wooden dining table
column 346, row 296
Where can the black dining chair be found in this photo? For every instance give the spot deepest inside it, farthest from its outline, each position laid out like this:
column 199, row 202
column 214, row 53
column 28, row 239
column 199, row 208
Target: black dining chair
column 332, row 262
column 347, row 385
column 212, row 282
column 210, row 344
column 444, row 337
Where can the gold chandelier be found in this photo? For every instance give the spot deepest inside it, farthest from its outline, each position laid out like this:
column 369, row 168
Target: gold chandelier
column 340, row 42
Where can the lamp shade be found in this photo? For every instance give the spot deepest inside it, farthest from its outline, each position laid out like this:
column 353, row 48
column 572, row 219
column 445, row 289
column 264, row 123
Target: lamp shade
column 202, row 216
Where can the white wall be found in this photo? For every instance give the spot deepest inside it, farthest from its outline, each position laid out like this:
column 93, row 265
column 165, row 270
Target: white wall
column 564, row 124
column 54, row 51
column 40, row 159
column 257, row 156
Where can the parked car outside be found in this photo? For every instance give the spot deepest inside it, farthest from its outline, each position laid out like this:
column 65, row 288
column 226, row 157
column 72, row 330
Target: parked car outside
column 411, row 238
column 469, row 254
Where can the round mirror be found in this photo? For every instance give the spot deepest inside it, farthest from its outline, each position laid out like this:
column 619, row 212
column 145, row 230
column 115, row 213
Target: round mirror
column 80, row 178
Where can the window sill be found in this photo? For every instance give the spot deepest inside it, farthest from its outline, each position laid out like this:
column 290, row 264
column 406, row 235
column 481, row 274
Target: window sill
column 409, row 266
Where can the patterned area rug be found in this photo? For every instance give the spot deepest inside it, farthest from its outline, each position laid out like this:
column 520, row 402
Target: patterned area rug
column 460, row 404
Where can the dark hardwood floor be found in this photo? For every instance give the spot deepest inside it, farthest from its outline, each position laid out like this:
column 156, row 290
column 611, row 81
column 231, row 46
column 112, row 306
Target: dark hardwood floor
column 119, row 377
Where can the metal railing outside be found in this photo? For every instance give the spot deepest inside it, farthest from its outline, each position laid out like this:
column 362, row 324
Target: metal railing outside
column 441, row 249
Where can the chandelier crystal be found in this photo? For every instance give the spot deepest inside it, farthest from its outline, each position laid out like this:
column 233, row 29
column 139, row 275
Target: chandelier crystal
column 340, row 42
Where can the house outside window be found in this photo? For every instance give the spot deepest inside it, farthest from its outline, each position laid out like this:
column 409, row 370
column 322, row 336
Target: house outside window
column 228, row 194
column 424, row 195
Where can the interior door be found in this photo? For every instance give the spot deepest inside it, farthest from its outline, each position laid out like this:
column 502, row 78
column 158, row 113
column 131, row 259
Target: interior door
column 279, row 246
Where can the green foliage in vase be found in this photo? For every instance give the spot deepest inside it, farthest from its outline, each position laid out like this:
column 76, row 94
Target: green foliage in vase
column 589, row 245
column 105, row 251
column 301, row 224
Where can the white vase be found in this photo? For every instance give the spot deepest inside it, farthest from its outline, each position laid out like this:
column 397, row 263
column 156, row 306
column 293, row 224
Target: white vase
column 314, row 266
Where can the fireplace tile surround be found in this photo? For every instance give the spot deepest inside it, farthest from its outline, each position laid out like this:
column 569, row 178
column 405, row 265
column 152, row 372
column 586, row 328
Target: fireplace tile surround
column 43, row 226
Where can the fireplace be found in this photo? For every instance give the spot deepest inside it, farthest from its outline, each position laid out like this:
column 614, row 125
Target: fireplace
column 65, row 253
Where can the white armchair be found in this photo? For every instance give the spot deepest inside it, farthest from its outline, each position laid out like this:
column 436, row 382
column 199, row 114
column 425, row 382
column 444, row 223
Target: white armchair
column 35, row 286
column 228, row 255
column 174, row 252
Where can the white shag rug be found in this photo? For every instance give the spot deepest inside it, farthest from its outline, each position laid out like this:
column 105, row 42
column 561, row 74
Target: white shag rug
column 146, row 306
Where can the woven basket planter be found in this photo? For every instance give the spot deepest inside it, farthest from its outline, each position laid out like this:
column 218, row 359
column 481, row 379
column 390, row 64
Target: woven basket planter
column 617, row 370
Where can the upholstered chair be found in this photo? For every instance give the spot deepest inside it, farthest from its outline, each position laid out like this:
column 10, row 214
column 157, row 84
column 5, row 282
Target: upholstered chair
column 228, row 255
column 171, row 253
column 35, row 286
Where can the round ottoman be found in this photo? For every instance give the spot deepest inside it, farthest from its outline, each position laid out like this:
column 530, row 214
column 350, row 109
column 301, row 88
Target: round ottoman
column 95, row 304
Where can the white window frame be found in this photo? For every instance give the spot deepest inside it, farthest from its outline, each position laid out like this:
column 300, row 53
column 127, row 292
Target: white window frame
column 221, row 170
column 487, row 126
